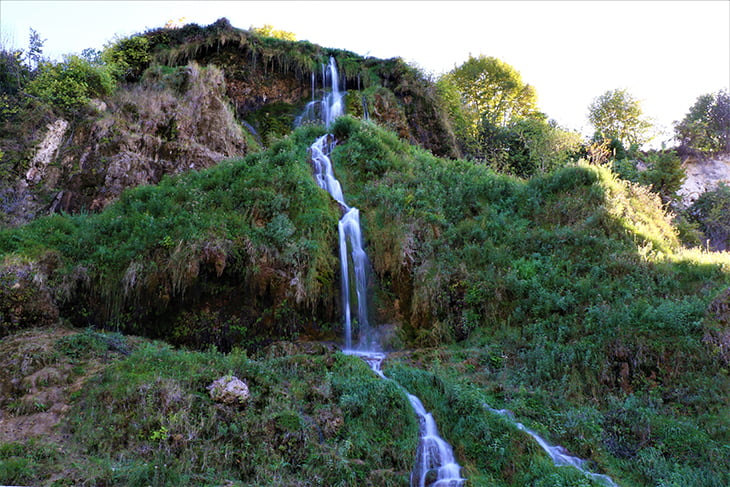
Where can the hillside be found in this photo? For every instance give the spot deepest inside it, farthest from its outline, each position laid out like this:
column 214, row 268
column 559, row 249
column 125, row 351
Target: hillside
column 566, row 298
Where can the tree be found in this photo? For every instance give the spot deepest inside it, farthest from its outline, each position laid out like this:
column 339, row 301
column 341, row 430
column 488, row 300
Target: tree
column 35, row 50
column 528, row 146
column 483, row 96
column 706, row 128
column 664, row 174
column 493, row 91
column 129, row 56
column 70, row 84
column 13, row 73
column 618, row 115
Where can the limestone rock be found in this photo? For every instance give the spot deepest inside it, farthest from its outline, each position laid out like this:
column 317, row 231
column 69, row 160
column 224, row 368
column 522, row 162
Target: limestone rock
column 229, row 390
column 46, row 151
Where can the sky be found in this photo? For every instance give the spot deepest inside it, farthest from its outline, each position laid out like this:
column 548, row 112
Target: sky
column 664, row 53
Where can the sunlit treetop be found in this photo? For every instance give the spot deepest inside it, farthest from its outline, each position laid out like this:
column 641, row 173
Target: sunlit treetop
column 493, row 91
column 617, row 115
column 267, row 30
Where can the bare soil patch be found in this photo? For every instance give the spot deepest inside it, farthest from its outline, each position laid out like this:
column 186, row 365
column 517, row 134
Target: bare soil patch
column 36, row 382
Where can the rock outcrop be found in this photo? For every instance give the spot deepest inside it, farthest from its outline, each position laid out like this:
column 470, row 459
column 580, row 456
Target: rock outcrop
column 703, row 175
column 173, row 120
column 26, row 299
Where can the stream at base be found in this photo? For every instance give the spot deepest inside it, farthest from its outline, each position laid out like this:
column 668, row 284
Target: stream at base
column 557, row 454
column 435, row 465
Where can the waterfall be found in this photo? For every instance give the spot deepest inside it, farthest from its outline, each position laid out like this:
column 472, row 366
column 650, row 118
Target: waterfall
column 332, row 102
column 557, row 454
column 435, row 461
column 435, row 465
column 331, row 105
column 350, row 234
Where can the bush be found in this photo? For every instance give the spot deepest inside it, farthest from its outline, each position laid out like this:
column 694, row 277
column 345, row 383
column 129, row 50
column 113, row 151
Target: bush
column 712, row 212
column 130, row 56
column 664, row 174
column 527, row 146
column 70, row 84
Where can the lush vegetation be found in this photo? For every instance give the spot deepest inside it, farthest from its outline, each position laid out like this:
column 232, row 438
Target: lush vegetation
column 573, row 281
column 711, row 212
column 257, row 223
column 70, row 84
column 618, row 115
column 533, row 275
column 494, row 115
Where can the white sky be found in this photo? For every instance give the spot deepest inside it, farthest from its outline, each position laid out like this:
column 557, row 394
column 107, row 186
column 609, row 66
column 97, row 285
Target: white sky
column 665, row 53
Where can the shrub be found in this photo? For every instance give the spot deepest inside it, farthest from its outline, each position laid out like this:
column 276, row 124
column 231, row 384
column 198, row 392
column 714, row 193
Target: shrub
column 70, row 84
column 664, row 174
column 712, row 212
column 129, row 56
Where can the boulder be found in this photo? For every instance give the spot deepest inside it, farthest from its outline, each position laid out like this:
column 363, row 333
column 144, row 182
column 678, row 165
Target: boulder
column 229, row 390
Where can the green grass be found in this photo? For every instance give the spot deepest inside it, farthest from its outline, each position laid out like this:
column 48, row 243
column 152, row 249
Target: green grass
column 251, row 224
column 315, row 416
column 579, row 282
column 143, row 416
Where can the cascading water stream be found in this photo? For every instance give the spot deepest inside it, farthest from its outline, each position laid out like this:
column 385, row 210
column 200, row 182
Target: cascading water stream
column 435, row 465
column 435, row 461
column 330, row 106
column 557, row 454
column 350, row 234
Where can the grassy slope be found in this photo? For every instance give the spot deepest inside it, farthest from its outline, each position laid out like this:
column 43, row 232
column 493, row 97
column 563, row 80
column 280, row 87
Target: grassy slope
column 566, row 299
column 254, row 233
column 570, row 297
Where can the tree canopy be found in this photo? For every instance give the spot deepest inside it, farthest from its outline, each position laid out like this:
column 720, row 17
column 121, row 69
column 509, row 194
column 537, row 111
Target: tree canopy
column 70, row 84
column 617, row 115
column 493, row 91
column 528, row 146
column 267, row 30
column 706, row 127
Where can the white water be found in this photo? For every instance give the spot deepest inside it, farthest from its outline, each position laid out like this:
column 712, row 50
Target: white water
column 330, row 106
column 350, row 234
column 435, row 465
column 558, row 454
column 435, row 461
